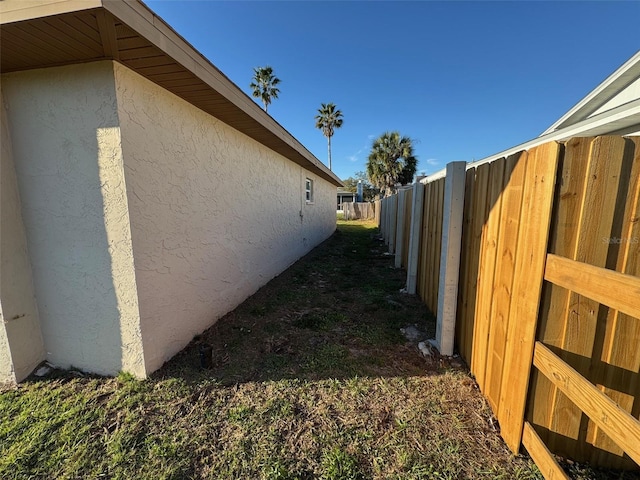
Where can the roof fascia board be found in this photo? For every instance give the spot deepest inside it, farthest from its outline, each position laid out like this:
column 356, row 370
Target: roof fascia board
column 626, row 115
column 604, row 92
column 11, row 12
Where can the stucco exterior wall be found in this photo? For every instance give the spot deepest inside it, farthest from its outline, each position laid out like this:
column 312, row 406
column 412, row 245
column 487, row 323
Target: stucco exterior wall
column 214, row 214
column 66, row 147
column 21, row 346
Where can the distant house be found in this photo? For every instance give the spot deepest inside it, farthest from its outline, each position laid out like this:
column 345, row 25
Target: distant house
column 144, row 195
column 345, row 196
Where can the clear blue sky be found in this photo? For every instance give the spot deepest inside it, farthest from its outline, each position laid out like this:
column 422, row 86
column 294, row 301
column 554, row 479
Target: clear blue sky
column 463, row 79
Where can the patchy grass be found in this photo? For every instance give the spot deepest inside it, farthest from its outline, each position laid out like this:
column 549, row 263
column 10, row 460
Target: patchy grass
column 310, row 380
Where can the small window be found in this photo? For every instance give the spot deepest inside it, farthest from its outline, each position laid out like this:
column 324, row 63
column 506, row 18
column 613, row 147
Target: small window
column 308, row 187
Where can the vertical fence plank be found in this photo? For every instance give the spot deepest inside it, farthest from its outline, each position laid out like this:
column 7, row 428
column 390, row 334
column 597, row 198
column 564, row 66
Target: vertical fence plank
column 562, row 241
column 435, row 250
column 615, row 361
column 407, row 226
column 399, row 235
column 433, row 205
column 533, row 233
column 466, row 308
column 393, row 219
column 478, row 217
column 514, row 177
column 481, row 214
column 424, row 241
column 484, row 295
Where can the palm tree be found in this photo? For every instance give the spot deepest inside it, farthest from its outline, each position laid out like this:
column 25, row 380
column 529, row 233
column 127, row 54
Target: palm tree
column 327, row 120
column 391, row 161
column 264, row 85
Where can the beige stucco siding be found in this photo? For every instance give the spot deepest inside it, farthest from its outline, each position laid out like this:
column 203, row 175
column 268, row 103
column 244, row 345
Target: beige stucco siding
column 66, row 146
column 214, row 214
column 21, row 346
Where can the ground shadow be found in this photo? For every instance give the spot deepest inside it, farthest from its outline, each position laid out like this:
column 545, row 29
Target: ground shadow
column 336, row 313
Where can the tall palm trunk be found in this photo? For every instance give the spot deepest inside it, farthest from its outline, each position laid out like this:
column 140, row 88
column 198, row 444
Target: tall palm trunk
column 329, row 149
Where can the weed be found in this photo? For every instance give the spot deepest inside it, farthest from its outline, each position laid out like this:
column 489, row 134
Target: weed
column 339, row 465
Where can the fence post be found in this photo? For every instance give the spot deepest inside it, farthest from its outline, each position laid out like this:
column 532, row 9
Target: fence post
column 400, row 228
column 453, row 211
column 414, row 237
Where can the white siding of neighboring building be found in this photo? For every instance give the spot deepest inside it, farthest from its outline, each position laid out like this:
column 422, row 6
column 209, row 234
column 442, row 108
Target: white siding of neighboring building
column 628, row 94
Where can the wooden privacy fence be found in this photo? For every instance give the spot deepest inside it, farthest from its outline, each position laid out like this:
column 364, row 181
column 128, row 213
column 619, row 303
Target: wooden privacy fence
column 548, row 298
column 358, row 211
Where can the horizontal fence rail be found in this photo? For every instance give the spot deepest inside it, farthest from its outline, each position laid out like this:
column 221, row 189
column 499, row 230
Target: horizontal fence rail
column 619, row 425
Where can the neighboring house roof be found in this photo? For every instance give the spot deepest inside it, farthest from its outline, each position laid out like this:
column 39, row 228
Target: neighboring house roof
column 619, row 93
column 612, row 108
column 47, row 33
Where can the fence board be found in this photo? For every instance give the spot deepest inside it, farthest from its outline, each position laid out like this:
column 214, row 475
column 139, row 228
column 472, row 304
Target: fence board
column 400, row 223
column 424, row 241
column 484, row 295
column 481, row 210
column 435, row 279
column 358, row 210
column 478, row 217
column 622, row 382
column 615, row 422
column 407, row 226
column 433, row 204
column 541, row 454
column 393, row 209
column 533, row 234
column 514, row 177
column 562, row 241
column 468, row 273
column 617, row 290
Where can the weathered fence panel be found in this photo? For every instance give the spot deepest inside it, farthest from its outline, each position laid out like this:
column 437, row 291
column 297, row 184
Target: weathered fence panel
column 359, row 211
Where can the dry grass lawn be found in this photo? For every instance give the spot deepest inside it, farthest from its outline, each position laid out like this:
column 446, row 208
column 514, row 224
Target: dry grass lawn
column 311, row 379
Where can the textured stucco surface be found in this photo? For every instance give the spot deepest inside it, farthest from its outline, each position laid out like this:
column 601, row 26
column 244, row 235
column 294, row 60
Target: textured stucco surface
column 66, row 147
column 214, row 214
column 21, row 347
column 145, row 219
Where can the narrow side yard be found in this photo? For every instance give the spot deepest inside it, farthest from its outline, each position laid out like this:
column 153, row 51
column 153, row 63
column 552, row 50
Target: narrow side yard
column 311, row 379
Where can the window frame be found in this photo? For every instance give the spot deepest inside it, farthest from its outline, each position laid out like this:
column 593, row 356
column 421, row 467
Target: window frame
column 308, row 191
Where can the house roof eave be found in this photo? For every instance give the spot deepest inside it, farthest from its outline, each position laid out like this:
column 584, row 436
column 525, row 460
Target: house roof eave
column 129, row 32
